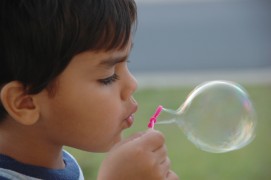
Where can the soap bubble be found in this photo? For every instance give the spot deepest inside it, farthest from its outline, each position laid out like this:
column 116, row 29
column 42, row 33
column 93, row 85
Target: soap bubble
column 217, row 117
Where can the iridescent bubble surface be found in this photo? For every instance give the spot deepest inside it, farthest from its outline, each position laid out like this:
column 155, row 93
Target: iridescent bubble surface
column 217, row 117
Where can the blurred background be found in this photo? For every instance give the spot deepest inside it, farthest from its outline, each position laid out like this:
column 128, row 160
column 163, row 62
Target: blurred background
column 195, row 40
column 180, row 43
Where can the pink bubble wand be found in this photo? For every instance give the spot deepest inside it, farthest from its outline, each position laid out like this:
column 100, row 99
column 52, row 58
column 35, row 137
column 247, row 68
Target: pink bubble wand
column 154, row 117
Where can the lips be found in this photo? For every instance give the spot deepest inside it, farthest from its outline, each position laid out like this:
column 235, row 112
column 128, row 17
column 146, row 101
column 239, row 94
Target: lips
column 130, row 119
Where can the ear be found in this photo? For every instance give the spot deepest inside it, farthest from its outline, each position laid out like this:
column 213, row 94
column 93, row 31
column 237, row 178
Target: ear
column 21, row 106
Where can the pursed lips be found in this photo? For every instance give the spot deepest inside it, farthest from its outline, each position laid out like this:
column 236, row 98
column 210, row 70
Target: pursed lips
column 130, row 119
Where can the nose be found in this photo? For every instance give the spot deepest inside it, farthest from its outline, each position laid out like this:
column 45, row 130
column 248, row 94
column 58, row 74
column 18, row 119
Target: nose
column 129, row 86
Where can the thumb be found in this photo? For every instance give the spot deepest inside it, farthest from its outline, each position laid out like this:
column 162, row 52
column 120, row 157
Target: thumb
column 152, row 140
column 129, row 139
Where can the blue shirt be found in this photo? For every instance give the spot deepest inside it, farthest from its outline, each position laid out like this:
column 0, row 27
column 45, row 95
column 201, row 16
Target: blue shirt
column 13, row 170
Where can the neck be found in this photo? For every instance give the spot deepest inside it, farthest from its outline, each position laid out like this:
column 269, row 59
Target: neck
column 27, row 146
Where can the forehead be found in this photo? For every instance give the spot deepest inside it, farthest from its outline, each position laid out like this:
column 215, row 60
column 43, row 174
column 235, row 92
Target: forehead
column 104, row 58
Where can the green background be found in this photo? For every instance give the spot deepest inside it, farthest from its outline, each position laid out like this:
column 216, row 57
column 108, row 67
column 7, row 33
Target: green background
column 250, row 163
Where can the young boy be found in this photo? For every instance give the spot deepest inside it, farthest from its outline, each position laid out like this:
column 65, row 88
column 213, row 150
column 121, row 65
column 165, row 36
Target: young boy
column 64, row 81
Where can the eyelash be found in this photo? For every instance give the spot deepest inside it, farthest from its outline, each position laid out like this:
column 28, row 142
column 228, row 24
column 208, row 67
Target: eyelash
column 109, row 80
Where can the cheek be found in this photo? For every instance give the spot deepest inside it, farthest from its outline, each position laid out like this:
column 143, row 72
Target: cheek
column 88, row 112
column 96, row 121
column 106, row 115
column 91, row 117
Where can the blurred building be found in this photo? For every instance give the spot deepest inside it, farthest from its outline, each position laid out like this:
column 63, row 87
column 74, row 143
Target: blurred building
column 188, row 35
column 182, row 36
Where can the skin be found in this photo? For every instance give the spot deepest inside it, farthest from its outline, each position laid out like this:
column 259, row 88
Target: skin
column 142, row 156
column 85, row 108
column 91, row 107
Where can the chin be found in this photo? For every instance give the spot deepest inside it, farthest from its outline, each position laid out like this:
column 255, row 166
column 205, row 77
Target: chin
column 96, row 149
column 113, row 143
column 107, row 147
column 103, row 147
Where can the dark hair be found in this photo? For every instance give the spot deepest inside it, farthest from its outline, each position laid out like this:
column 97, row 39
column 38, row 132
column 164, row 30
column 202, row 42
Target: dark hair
column 38, row 38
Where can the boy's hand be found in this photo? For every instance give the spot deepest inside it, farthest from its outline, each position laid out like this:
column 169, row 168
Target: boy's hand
column 140, row 157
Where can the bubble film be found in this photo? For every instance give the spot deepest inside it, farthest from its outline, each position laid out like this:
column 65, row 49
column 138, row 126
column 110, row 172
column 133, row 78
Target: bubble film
column 217, row 117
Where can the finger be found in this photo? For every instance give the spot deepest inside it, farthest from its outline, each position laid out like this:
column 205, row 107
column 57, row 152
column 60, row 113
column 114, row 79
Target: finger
column 129, row 139
column 160, row 154
column 133, row 137
column 165, row 167
column 152, row 140
column 172, row 176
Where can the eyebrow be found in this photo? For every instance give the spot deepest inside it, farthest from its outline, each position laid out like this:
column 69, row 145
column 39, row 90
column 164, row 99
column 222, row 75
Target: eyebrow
column 111, row 61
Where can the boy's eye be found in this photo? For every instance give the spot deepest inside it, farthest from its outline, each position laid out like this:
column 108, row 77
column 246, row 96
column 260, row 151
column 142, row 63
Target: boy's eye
column 109, row 80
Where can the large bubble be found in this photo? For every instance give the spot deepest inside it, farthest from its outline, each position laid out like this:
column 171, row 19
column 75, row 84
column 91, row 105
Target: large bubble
column 217, row 117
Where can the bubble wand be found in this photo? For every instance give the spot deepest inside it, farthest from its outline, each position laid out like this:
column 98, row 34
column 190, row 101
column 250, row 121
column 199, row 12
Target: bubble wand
column 154, row 117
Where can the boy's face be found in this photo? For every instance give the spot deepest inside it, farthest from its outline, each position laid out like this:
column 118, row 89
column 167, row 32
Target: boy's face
column 93, row 103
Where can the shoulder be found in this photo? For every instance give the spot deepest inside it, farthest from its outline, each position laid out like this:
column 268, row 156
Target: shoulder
column 7, row 174
column 9, row 167
column 72, row 164
column 12, row 169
